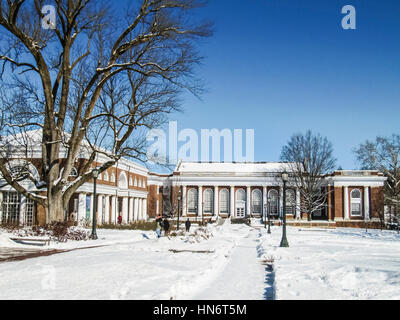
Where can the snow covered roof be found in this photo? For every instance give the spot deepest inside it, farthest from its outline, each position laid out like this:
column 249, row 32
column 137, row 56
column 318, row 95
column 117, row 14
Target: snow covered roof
column 222, row 167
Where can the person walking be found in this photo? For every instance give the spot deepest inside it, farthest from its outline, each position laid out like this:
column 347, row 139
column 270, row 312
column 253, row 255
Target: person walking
column 187, row 225
column 166, row 226
column 158, row 226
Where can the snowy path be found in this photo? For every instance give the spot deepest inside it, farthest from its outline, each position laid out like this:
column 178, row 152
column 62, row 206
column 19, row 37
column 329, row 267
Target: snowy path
column 243, row 278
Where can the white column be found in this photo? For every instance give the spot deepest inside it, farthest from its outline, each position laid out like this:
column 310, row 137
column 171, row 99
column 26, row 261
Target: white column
column 216, row 213
column 232, row 204
column 124, row 210
column 99, row 209
column 136, row 209
column 139, row 209
column 298, row 209
column 107, row 209
column 145, row 209
column 184, row 208
column 346, row 203
column 248, row 201
column 113, row 209
column 281, row 201
column 22, row 210
column 131, row 216
column 264, row 202
column 1, row 206
column 91, row 208
column 200, row 205
column 81, row 207
column 366, row 203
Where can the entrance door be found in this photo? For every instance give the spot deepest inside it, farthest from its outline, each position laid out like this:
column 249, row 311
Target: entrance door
column 240, row 204
column 240, row 209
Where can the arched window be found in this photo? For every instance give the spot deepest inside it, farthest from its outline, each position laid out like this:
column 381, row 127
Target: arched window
column 192, row 201
column 273, row 201
column 135, row 182
column 112, row 177
column 144, row 183
column 224, row 201
column 240, row 195
column 208, row 201
column 256, row 201
column 106, row 176
column 130, row 181
column 290, row 202
column 21, row 169
column 356, row 202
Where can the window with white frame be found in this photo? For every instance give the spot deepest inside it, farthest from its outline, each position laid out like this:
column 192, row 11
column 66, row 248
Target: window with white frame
column 106, row 176
column 208, row 201
column 112, row 177
column 355, row 200
column 224, row 201
column 192, row 201
column 135, row 182
column 130, row 181
column 11, row 208
column 273, row 201
column 256, row 201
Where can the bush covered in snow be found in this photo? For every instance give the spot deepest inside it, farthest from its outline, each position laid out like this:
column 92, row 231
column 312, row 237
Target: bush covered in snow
column 56, row 231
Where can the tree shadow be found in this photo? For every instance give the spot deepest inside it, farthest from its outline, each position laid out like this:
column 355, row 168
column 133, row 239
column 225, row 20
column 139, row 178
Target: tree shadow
column 269, row 292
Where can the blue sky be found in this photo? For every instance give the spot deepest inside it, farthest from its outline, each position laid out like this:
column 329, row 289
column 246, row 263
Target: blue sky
column 283, row 66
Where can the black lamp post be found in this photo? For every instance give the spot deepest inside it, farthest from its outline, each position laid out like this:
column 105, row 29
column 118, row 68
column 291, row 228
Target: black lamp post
column 284, row 242
column 93, row 236
column 179, row 208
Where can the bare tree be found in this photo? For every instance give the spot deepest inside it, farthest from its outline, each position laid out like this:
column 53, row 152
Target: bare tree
column 310, row 157
column 93, row 83
column 383, row 155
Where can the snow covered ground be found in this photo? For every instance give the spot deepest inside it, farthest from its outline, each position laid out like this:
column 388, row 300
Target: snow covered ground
column 319, row 264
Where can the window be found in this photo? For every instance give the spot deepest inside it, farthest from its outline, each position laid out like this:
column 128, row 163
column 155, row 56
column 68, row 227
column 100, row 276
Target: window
column 273, row 199
column 112, row 177
column 11, row 208
column 130, row 181
column 208, row 201
column 290, row 202
column 192, row 201
column 29, row 213
column 135, row 182
column 106, row 176
column 256, row 201
column 224, row 201
column 355, row 197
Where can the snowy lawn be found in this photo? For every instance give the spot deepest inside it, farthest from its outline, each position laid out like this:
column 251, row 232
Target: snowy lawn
column 335, row 264
column 326, row 264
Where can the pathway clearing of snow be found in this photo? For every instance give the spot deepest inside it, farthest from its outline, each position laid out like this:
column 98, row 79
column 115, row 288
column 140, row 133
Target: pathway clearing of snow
column 243, row 278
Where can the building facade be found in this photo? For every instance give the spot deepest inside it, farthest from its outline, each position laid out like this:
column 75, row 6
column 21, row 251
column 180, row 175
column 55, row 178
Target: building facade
column 202, row 191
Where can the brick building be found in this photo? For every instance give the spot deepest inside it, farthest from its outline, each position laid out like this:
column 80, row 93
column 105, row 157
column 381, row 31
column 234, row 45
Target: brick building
column 209, row 190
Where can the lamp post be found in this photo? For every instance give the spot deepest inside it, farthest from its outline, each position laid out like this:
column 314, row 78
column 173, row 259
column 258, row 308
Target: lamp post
column 284, row 242
column 93, row 236
column 179, row 207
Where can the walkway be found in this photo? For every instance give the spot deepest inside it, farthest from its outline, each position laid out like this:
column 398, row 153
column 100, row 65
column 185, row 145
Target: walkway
column 244, row 277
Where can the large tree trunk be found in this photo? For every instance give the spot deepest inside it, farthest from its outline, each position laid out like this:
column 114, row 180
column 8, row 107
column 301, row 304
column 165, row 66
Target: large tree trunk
column 56, row 207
